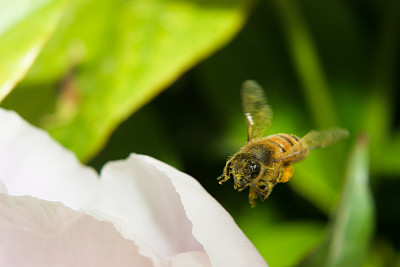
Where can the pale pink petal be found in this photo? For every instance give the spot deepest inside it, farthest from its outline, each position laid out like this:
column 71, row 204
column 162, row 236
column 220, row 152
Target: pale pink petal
column 141, row 196
column 31, row 163
column 35, row 232
column 196, row 259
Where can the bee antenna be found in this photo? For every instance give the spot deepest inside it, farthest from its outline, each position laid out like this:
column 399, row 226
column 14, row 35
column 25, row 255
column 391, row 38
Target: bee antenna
column 257, row 190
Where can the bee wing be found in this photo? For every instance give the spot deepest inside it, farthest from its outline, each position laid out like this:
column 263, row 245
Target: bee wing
column 315, row 139
column 256, row 110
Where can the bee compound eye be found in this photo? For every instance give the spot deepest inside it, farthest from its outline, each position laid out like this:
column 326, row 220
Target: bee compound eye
column 255, row 169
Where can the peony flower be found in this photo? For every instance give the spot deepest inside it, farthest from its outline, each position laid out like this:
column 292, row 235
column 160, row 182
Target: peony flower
column 137, row 212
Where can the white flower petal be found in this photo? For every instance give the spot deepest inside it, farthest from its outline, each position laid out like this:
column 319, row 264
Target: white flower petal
column 196, row 259
column 175, row 205
column 40, row 233
column 31, row 163
column 141, row 196
column 223, row 241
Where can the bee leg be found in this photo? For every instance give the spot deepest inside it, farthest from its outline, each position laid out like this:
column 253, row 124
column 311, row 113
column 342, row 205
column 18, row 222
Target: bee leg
column 267, row 189
column 223, row 178
column 226, row 173
column 252, row 196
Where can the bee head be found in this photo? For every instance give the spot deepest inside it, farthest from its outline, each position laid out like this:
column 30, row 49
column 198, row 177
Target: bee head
column 244, row 169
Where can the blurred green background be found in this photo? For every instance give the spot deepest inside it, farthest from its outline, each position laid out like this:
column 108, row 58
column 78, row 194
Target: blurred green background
column 162, row 78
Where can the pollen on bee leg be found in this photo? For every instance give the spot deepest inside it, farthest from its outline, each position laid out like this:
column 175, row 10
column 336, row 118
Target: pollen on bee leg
column 287, row 174
column 222, row 178
column 252, row 196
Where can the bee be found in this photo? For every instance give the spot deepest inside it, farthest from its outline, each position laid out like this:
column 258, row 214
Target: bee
column 265, row 161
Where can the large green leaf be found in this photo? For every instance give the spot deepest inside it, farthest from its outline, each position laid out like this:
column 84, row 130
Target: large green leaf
column 25, row 27
column 140, row 48
column 347, row 240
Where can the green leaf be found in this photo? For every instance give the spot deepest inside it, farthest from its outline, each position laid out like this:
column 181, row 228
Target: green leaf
column 318, row 177
column 280, row 243
column 312, row 180
column 284, row 244
column 25, row 27
column 142, row 48
column 388, row 163
column 347, row 239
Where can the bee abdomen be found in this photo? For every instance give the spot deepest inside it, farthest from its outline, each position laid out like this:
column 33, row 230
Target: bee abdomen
column 283, row 141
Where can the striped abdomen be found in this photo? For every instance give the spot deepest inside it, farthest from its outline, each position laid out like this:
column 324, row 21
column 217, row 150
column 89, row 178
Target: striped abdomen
column 283, row 143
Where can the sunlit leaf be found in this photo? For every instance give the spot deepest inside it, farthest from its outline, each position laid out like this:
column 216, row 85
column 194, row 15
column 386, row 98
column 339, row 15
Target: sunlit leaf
column 81, row 38
column 140, row 48
column 25, row 27
column 347, row 240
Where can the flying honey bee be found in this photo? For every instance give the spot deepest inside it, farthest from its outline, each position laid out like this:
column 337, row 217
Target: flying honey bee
column 265, row 161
